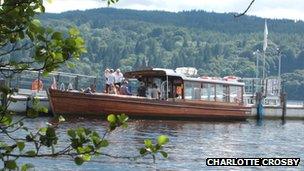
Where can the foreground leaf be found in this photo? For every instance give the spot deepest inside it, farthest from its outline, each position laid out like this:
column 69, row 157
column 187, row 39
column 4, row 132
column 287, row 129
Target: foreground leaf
column 162, row 140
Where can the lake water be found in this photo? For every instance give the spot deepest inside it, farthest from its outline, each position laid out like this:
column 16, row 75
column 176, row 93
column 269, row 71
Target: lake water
column 191, row 142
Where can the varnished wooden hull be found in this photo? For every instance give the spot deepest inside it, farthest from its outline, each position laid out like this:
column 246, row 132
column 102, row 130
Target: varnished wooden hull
column 103, row 104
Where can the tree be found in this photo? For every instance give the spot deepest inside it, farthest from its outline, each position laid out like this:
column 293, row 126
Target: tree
column 21, row 31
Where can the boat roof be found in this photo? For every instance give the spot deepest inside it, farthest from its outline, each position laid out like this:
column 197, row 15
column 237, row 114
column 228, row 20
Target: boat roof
column 156, row 72
column 153, row 72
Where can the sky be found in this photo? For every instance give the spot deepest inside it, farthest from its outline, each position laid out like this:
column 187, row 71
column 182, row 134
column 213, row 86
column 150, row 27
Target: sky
column 288, row 9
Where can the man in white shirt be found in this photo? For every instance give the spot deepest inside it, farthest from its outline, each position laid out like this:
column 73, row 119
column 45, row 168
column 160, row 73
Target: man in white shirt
column 118, row 77
column 155, row 92
column 106, row 75
column 111, row 79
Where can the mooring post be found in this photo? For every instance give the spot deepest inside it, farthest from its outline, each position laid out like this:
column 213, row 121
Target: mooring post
column 259, row 105
column 283, row 104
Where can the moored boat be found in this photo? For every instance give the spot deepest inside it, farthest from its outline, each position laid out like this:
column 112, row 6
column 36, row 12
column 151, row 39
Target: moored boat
column 180, row 97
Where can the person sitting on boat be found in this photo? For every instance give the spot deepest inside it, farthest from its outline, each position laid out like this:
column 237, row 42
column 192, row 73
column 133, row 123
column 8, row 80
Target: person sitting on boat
column 106, row 75
column 70, row 87
column 118, row 77
column 62, row 87
column 87, row 90
column 124, row 89
column 93, row 88
column 155, row 92
column 141, row 91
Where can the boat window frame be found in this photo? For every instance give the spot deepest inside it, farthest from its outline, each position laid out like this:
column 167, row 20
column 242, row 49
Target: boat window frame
column 226, row 92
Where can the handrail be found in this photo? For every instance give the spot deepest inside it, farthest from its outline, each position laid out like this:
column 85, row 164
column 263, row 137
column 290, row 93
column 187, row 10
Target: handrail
column 52, row 73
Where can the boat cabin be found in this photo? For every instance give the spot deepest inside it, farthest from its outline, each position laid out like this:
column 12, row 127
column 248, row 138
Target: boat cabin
column 174, row 86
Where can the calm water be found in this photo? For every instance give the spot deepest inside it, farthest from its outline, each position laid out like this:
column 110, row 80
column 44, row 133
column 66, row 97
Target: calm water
column 190, row 144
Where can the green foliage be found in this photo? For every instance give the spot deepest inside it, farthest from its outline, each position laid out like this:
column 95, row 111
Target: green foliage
column 117, row 121
column 293, row 83
column 26, row 166
column 87, row 143
column 152, row 150
column 48, row 137
column 21, row 145
column 35, row 108
column 10, row 164
column 46, row 49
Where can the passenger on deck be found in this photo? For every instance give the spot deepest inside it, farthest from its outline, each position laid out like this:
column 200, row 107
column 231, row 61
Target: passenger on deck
column 117, row 89
column 93, row 88
column 155, row 92
column 124, row 89
column 111, row 79
column 141, row 91
column 118, row 77
column 112, row 89
column 70, row 87
column 106, row 75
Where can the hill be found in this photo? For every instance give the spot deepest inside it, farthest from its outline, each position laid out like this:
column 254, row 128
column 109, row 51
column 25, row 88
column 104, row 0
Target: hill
column 216, row 44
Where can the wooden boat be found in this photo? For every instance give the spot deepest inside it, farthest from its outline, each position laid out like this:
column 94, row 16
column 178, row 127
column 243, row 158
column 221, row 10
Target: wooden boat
column 181, row 97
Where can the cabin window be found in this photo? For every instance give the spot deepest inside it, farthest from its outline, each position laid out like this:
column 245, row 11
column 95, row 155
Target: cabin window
column 207, row 92
column 192, row 90
column 188, row 90
column 235, row 94
column 133, row 86
column 219, row 92
column 226, row 93
column 239, row 94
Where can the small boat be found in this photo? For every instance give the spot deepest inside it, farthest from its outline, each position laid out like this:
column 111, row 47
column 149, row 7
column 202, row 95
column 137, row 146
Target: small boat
column 180, row 97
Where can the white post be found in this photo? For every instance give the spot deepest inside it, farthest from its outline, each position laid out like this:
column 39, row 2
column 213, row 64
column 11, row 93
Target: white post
column 167, row 87
column 279, row 72
column 264, row 65
column 257, row 62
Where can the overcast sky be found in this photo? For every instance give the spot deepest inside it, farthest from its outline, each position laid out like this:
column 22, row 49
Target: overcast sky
column 291, row 9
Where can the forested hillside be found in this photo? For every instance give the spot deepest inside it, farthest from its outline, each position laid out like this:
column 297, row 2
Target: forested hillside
column 216, row 44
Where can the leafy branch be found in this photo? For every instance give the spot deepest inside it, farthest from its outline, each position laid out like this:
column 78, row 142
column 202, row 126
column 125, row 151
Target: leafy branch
column 84, row 144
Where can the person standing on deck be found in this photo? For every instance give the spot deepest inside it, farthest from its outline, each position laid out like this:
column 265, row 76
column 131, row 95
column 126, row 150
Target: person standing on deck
column 155, row 92
column 106, row 75
column 111, row 80
column 142, row 89
column 113, row 89
column 118, row 77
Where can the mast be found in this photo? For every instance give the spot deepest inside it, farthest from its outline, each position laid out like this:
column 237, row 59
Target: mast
column 264, row 50
column 279, row 71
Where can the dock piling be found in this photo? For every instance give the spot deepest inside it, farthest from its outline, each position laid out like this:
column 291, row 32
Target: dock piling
column 283, row 104
column 259, row 105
